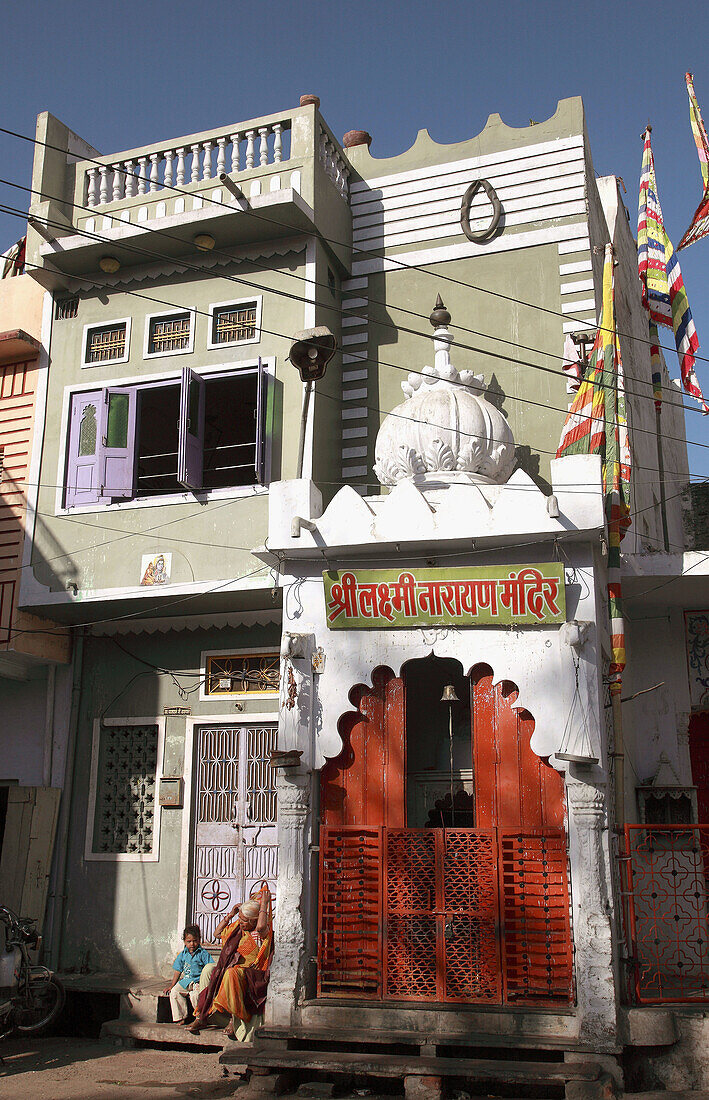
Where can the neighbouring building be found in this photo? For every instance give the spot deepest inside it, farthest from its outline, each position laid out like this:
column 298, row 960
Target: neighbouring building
column 380, row 685
column 35, row 654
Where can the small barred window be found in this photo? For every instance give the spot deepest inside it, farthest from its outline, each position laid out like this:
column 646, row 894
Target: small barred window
column 124, row 818
column 234, row 324
column 170, row 333
column 65, row 308
column 247, row 674
column 106, row 343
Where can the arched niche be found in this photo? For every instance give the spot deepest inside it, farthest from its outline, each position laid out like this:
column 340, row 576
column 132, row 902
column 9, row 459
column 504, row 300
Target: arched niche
column 366, row 784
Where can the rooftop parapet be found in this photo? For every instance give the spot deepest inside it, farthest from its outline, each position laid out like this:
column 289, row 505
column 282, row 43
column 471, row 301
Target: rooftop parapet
column 266, row 175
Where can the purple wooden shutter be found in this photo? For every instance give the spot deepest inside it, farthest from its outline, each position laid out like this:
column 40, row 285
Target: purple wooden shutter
column 190, row 448
column 82, row 472
column 118, row 443
column 261, row 392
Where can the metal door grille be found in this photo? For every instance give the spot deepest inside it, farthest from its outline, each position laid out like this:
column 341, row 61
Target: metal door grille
column 535, row 910
column 667, row 912
column 349, row 943
column 218, row 774
column 235, row 822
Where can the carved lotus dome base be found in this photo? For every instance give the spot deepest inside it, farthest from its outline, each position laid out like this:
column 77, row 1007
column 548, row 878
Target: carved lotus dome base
column 446, row 431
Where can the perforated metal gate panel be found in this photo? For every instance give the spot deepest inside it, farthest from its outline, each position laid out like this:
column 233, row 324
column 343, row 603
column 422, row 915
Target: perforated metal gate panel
column 477, row 916
column 235, row 841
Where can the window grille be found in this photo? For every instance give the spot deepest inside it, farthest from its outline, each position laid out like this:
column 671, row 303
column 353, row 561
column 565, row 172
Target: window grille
column 65, row 308
column 106, row 343
column 249, row 674
column 124, row 819
column 232, row 324
column 169, row 333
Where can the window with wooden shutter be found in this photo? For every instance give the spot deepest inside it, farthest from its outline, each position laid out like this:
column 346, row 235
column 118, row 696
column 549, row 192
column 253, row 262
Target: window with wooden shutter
column 201, row 433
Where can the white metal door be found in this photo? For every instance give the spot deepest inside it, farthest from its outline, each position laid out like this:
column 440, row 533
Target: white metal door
column 235, row 822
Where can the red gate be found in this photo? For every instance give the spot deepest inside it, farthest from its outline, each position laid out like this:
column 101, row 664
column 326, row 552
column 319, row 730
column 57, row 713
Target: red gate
column 443, row 915
column 479, row 916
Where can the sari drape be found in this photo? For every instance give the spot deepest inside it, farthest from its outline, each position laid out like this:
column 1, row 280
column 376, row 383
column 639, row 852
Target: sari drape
column 240, row 979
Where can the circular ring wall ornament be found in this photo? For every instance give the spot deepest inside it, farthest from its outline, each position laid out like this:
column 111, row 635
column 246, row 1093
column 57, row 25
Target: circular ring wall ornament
column 470, row 193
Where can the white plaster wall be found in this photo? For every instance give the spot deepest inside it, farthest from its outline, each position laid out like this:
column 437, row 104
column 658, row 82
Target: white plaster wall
column 656, row 652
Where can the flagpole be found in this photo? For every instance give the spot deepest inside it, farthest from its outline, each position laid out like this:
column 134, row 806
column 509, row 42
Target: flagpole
column 618, row 755
column 661, row 475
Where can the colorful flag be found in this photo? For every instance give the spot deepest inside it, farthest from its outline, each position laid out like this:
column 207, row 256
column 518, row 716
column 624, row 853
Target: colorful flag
column 663, row 290
column 596, row 424
column 699, row 226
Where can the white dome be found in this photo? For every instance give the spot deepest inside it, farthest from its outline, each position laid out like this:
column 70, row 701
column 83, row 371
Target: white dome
column 446, row 430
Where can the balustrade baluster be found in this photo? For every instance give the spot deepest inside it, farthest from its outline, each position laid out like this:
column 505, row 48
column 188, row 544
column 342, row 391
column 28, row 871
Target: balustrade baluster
column 221, row 155
column 195, row 163
column 92, row 193
column 263, row 147
column 154, row 171
column 103, row 192
column 180, row 166
column 142, row 175
column 130, row 178
column 117, row 183
column 207, row 166
column 250, row 137
column 277, row 143
column 167, row 178
column 235, row 152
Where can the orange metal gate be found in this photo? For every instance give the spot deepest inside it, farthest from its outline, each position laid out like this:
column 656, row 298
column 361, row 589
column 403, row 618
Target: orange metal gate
column 478, row 916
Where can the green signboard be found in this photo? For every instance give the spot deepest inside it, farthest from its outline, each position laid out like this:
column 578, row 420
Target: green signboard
column 365, row 599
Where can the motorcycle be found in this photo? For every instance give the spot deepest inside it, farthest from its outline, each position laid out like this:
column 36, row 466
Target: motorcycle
column 31, row 997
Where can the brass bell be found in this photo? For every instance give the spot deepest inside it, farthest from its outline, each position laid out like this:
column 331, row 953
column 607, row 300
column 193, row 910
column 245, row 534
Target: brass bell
column 449, row 695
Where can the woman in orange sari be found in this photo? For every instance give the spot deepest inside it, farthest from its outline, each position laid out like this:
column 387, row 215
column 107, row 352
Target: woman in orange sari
column 237, row 986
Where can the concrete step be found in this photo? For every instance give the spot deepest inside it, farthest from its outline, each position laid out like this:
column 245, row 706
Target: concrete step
column 488, row 1026
column 167, row 1034
column 374, row 1064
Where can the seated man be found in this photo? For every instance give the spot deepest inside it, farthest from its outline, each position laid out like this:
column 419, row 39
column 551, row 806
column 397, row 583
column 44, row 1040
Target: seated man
column 187, row 967
column 237, row 985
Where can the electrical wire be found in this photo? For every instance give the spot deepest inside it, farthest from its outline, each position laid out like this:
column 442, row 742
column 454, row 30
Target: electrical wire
column 94, row 236
column 342, row 244
column 343, row 310
column 490, row 354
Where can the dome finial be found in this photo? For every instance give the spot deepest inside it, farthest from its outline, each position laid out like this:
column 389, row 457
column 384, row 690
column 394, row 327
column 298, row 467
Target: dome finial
column 440, row 316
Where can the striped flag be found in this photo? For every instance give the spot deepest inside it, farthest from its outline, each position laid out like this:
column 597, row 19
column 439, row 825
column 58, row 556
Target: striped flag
column 596, row 424
column 699, row 226
column 663, row 290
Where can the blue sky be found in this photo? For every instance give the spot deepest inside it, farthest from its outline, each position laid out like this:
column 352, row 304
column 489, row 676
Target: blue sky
column 130, row 73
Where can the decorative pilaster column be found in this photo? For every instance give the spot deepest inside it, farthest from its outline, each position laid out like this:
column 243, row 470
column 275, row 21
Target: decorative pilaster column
column 289, row 959
column 593, row 911
column 684, row 759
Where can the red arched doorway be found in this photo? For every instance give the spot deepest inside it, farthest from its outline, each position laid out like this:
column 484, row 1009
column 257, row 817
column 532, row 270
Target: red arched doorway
column 425, row 908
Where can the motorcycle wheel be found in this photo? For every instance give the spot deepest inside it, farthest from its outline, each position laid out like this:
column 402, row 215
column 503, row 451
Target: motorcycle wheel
column 45, row 1002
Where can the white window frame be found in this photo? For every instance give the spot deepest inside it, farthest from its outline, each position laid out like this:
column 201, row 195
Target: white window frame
column 187, row 497
column 241, row 651
column 191, row 313
column 235, row 302
column 105, row 324
column 123, row 857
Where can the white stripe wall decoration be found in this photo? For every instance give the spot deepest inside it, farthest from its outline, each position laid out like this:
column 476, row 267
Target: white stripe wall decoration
column 355, row 375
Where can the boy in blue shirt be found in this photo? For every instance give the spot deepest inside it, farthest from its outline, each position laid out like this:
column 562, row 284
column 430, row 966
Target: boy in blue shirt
column 187, row 967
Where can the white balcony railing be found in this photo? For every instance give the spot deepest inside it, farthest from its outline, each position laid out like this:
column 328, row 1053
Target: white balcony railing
column 333, row 162
column 179, row 165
